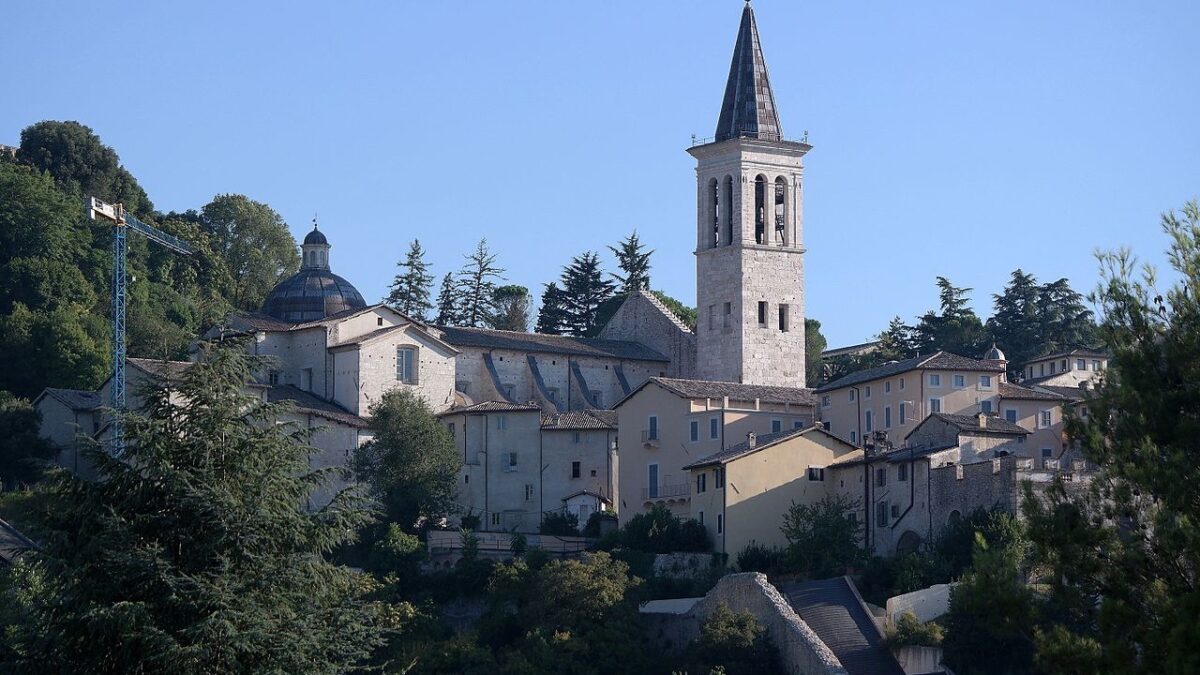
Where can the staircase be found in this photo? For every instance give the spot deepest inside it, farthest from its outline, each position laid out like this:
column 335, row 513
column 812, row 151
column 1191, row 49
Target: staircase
column 832, row 608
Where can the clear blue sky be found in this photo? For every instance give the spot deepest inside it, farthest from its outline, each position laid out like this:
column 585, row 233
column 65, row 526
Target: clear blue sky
column 961, row 139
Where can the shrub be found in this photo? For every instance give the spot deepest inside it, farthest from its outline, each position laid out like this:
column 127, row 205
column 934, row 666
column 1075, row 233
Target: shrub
column 396, row 552
column 822, row 542
column 560, row 524
column 660, row 531
column 518, row 544
column 909, row 631
column 596, row 523
column 756, row 557
column 735, row 642
column 470, row 521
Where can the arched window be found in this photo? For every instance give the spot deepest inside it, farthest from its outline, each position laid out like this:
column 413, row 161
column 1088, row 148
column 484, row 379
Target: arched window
column 714, row 203
column 308, row 258
column 760, row 209
column 781, row 210
column 727, row 208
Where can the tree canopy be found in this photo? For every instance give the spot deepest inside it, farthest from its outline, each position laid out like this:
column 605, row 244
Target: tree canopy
column 410, row 290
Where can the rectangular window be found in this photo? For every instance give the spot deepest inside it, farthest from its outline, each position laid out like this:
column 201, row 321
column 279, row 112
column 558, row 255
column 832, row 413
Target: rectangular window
column 450, row 428
column 985, row 381
column 1064, row 366
column 576, row 471
column 881, row 514
column 700, row 517
column 1010, row 415
column 825, row 401
column 511, row 464
column 652, row 431
column 887, row 417
column 935, row 380
column 880, row 477
column 714, row 428
column 575, row 438
column 960, row 381
column 816, row 473
column 1080, row 364
column 1041, row 369
column 1096, row 366
column 776, row 426
column 902, row 384
column 652, row 480
column 273, row 377
column 1047, row 452
column 895, row 510
column 867, row 391
column 501, row 422
column 870, row 417
column 1045, row 419
column 694, row 430
column 783, row 318
column 903, row 413
column 728, row 319
column 985, row 406
column 719, row 477
column 495, row 519
column 712, row 317
column 406, row 365
column 935, row 405
column 701, row 482
column 720, row 523
column 762, row 315
column 1053, row 367
column 852, row 395
column 796, row 424
column 902, row 473
column 306, row 380
column 854, row 437
column 887, row 387
column 528, row 492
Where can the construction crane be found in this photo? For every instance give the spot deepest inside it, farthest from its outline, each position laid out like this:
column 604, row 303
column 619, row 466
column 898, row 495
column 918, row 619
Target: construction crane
column 122, row 223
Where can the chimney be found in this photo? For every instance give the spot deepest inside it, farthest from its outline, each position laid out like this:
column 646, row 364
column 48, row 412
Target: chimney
column 983, row 419
column 751, row 439
column 1085, row 385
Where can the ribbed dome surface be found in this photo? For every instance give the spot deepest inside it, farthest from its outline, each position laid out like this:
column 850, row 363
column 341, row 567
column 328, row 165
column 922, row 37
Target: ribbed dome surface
column 315, row 237
column 311, row 294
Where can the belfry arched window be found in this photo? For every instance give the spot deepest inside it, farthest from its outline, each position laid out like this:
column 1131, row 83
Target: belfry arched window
column 781, row 210
column 727, row 208
column 760, row 209
column 714, row 204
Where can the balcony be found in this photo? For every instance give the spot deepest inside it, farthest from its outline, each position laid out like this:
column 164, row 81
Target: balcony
column 650, row 438
column 671, row 491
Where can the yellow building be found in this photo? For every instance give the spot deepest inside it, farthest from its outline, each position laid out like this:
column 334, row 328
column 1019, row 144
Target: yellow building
column 740, row 495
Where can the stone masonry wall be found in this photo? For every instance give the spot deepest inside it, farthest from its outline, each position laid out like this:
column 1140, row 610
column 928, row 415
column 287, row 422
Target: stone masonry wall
column 802, row 652
column 642, row 318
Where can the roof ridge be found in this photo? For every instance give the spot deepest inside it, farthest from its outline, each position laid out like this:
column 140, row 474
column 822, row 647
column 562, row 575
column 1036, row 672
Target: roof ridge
column 662, row 306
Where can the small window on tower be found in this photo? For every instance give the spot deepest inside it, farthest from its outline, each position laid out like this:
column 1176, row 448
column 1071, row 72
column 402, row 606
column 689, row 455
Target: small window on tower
column 783, row 318
column 762, row 314
column 728, row 315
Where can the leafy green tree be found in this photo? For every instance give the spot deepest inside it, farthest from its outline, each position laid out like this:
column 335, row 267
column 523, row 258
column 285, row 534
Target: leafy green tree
column 1121, row 557
column 255, row 244
column 512, row 308
column 909, row 631
column 448, row 303
column 683, row 312
column 660, row 531
column 822, row 541
column 955, row 329
column 193, row 552
column 477, row 287
column 411, row 289
column 410, row 466
column 1065, row 322
column 37, row 220
column 1015, row 323
column 64, row 347
column 814, row 344
column 584, row 290
column 74, row 155
column 552, row 315
column 634, row 261
column 735, row 642
column 989, row 627
column 22, row 451
column 897, row 342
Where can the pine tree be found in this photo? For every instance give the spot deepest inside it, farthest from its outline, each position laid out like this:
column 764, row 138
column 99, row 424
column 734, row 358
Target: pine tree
column 1015, row 325
column 896, row 343
column 410, row 291
column 512, row 308
column 1064, row 321
column 584, row 290
column 956, row 329
column 634, row 263
column 477, row 288
column 193, row 552
column 447, row 303
column 552, row 315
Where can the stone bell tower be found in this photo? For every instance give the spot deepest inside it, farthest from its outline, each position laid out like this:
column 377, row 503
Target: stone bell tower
column 750, row 234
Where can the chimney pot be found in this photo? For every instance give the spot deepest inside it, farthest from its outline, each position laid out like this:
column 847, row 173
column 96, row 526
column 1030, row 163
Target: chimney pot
column 751, row 439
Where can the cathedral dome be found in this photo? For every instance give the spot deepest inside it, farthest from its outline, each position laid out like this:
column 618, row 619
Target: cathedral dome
column 314, row 292
column 994, row 354
column 311, row 294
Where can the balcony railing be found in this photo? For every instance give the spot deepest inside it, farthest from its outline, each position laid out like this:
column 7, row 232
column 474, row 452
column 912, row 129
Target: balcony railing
column 666, row 491
column 650, row 437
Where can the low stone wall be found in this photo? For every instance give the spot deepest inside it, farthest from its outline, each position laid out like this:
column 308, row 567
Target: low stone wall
column 691, row 566
column 802, row 652
column 927, row 604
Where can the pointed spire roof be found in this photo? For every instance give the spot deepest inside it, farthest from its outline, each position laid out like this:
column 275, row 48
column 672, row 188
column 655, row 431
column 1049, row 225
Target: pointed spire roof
column 748, row 110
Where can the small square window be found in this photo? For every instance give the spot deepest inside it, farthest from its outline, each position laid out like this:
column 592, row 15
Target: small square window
column 1010, row 415
column 1047, row 452
column 816, row 473
column 960, row 381
column 935, row 405
column 1080, row 364
column 985, row 406
column 776, row 426
column 985, row 381
column 935, row 380
column 796, row 424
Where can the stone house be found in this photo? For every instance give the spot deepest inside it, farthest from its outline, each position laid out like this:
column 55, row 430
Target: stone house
column 666, row 424
column 741, row 494
column 1065, row 369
